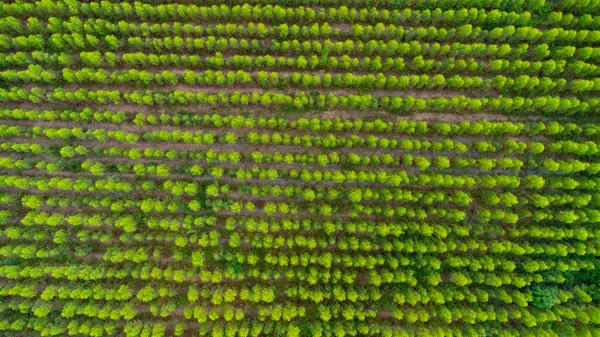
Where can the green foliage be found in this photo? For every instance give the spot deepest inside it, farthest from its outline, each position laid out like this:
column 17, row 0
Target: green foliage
column 229, row 168
column 545, row 296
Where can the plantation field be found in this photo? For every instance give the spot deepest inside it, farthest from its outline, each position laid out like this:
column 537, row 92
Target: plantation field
column 302, row 168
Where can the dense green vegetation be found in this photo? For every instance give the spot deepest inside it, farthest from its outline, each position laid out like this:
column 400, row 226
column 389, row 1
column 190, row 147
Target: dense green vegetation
column 300, row 168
